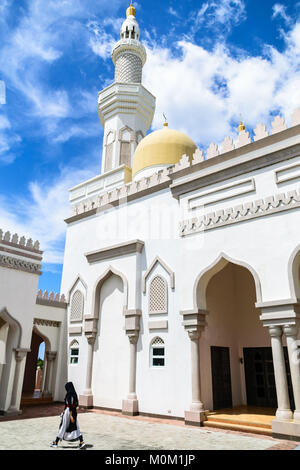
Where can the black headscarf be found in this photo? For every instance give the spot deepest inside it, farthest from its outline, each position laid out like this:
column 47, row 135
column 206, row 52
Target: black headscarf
column 71, row 395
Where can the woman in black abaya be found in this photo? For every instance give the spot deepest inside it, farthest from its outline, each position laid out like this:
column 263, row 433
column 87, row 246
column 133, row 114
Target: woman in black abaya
column 69, row 428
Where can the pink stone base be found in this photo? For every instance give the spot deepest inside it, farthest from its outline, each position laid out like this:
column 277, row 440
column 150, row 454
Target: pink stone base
column 194, row 418
column 130, row 407
column 86, row 401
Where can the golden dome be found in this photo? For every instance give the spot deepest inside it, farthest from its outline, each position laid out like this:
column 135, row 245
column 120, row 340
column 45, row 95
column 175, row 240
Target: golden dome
column 130, row 11
column 163, row 147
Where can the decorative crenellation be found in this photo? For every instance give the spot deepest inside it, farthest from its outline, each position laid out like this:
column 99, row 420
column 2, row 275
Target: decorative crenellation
column 278, row 125
column 124, row 192
column 14, row 239
column 50, row 297
column 242, row 212
column 164, row 177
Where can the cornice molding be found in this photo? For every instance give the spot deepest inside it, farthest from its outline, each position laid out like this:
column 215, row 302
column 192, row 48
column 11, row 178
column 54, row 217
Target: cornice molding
column 242, row 212
column 122, row 249
column 20, row 265
column 235, row 167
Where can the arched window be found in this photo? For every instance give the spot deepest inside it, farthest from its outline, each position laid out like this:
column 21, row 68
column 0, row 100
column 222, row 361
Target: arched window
column 158, row 296
column 77, row 304
column 74, row 352
column 157, row 353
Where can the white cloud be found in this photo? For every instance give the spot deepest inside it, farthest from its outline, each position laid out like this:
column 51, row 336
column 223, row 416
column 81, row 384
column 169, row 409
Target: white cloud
column 41, row 214
column 204, row 92
column 101, row 42
column 8, row 141
column 220, row 15
column 173, row 12
column 279, row 10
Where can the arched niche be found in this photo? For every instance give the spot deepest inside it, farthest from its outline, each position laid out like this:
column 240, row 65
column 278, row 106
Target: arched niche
column 202, row 280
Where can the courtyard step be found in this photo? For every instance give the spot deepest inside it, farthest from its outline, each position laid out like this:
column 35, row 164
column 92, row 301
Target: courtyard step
column 236, row 425
column 235, row 420
column 36, row 401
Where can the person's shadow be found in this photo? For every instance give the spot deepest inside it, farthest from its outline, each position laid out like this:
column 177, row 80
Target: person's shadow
column 87, row 446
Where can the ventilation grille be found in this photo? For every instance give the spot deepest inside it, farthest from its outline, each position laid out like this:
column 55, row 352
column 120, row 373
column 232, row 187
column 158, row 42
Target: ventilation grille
column 158, row 302
column 157, row 341
column 77, row 306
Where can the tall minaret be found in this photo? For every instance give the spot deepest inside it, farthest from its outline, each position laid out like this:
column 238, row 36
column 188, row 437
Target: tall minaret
column 125, row 108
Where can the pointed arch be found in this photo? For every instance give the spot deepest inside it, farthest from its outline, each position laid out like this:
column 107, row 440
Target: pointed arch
column 77, row 279
column 202, row 280
column 294, row 273
column 14, row 325
column 122, row 130
column 45, row 339
column 158, row 260
column 110, row 271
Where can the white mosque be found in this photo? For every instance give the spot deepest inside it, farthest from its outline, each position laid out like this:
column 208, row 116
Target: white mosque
column 181, row 277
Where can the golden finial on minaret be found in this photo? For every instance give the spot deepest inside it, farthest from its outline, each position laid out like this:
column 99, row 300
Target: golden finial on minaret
column 241, row 126
column 130, row 10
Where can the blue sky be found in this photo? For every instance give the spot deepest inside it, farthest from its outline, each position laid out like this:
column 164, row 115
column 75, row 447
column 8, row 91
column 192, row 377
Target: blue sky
column 208, row 63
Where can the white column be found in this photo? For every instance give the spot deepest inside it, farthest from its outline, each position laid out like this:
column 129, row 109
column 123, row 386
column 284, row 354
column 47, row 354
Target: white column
column 130, row 405
column 20, row 354
column 50, row 356
column 197, row 404
column 132, row 368
column 194, row 321
column 284, row 410
column 86, row 399
column 291, row 332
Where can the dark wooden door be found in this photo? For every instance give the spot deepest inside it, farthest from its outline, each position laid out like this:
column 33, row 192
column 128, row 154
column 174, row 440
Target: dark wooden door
column 260, row 379
column 221, row 377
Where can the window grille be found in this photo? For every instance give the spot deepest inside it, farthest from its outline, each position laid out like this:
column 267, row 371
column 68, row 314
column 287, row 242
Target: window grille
column 158, row 296
column 74, row 352
column 77, row 306
column 157, row 353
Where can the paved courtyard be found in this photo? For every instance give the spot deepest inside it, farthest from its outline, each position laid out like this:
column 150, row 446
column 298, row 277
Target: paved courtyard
column 103, row 431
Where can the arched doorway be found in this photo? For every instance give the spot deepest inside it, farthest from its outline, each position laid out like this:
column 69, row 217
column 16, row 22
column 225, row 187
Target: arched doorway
column 31, row 366
column 32, row 391
column 235, row 352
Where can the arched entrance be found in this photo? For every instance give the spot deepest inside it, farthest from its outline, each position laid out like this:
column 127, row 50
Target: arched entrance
column 34, row 373
column 30, row 374
column 236, row 363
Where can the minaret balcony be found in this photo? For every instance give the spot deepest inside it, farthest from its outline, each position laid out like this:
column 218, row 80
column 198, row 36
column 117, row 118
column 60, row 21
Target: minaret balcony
column 126, row 98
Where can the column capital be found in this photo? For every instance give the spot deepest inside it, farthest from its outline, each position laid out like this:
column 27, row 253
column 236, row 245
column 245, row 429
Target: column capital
column 275, row 331
column 91, row 338
column 279, row 312
column 51, row 355
column 132, row 324
column 194, row 335
column 133, row 337
column 20, row 353
column 194, row 321
column 291, row 330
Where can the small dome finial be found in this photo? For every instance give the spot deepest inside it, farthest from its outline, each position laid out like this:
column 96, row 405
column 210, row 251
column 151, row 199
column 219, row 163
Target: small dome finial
column 131, row 11
column 241, row 126
column 166, row 122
